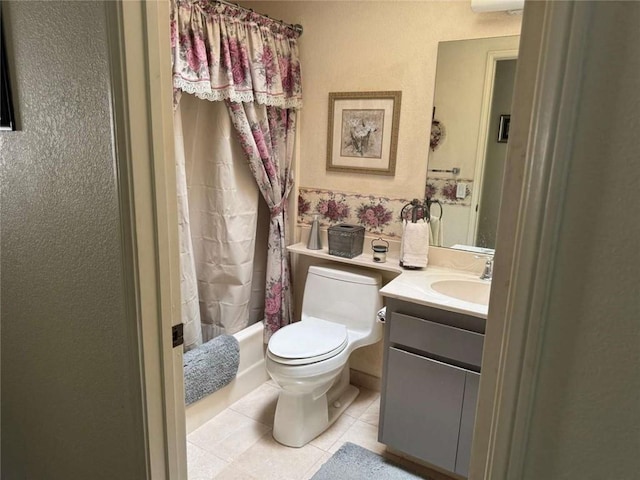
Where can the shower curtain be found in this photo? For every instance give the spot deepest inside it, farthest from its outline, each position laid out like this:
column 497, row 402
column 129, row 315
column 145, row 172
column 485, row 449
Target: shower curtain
column 218, row 219
column 223, row 52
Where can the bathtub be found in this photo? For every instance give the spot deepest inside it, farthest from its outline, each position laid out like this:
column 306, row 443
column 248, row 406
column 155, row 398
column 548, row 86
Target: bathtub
column 251, row 374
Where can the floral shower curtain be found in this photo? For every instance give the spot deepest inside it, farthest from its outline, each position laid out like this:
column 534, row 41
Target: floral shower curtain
column 225, row 52
column 267, row 136
column 222, row 52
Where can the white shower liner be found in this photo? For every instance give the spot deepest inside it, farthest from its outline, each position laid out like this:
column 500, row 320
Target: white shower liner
column 251, row 374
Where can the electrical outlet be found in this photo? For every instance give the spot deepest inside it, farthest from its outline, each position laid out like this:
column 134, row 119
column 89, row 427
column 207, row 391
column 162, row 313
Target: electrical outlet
column 461, row 190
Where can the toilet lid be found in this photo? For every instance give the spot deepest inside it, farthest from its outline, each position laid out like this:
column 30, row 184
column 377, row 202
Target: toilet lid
column 308, row 341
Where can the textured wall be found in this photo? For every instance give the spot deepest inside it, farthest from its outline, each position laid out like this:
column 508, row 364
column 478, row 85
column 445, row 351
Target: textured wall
column 585, row 421
column 68, row 407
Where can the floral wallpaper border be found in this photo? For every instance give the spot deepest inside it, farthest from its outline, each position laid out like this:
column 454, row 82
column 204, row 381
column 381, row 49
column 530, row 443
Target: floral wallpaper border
column 444, row 190
column 377, row 214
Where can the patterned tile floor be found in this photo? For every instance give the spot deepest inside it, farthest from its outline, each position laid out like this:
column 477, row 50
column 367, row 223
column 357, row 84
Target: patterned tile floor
column 237, row 444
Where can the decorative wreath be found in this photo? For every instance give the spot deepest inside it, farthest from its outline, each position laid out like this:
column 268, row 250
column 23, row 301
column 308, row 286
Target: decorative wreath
column 437, row 134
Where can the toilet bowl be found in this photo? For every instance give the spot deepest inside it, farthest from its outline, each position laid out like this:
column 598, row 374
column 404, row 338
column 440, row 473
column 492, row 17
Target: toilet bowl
column 309, row 359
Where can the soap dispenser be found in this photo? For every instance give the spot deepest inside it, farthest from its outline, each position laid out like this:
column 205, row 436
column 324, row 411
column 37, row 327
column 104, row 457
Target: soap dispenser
column 315, row 242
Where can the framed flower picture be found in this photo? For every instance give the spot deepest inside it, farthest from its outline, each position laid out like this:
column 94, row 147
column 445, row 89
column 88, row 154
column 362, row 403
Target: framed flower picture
column 363, row 132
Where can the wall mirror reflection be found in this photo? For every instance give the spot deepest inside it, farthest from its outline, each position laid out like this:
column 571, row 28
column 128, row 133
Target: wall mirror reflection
column 469, row 139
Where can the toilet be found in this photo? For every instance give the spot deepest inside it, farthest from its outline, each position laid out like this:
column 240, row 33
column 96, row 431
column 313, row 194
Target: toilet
column 309, row 359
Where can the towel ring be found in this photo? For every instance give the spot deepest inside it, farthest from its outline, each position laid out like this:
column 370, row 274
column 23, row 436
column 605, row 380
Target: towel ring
column 415, row 211
column 430, row 202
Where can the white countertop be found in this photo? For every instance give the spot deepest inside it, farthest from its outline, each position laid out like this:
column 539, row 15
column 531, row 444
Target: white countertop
column 363, row 260
column 410, row 285
column 414, row 286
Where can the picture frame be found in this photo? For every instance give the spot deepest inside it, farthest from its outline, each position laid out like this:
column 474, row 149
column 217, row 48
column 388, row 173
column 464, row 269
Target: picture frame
column 503, row 128
column 363, row 132
column 7, row 116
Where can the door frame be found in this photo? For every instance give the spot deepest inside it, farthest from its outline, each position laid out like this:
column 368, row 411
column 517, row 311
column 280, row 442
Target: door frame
column 547, row 96
column 493, row 57
column 545, row 108
column 140, row 62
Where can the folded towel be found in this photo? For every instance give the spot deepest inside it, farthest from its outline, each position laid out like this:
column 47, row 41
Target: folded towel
column 436, row 236
column 414, row 249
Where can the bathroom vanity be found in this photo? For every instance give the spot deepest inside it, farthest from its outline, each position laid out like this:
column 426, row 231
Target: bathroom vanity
column 431, row 371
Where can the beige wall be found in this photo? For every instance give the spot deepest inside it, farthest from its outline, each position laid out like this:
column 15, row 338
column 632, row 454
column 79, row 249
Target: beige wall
column 366, row 46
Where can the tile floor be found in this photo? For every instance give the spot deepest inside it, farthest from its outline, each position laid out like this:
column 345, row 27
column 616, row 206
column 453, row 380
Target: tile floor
column 237, row 444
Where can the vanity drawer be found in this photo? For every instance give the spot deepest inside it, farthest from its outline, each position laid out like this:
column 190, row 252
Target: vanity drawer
column 436, row 339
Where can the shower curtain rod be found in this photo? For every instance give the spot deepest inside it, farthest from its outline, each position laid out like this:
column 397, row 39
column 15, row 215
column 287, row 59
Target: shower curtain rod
column 297, row 27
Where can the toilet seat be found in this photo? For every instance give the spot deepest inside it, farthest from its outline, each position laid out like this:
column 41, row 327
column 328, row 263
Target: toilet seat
column 309, row 341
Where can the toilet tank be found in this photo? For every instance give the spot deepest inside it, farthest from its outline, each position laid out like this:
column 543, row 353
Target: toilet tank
column 348, row 296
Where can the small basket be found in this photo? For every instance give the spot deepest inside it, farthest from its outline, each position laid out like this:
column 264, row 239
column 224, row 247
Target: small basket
column 346, row 240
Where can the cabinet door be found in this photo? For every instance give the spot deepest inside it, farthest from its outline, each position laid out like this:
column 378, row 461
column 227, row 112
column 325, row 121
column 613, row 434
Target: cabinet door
column 422, row 407
column 467, row 422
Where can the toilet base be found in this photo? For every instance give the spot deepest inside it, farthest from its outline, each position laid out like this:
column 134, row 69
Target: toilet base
column 302, row 417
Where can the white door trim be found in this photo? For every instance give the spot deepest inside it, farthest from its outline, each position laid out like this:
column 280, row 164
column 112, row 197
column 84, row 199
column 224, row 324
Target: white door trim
column 493, row 56
column 166, row 204
column 546, row 103
column 143, row 124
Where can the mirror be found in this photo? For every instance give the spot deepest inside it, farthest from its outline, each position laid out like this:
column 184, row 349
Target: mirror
column 469, row 135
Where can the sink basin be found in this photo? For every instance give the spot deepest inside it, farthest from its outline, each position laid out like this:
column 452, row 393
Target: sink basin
column 467, row 290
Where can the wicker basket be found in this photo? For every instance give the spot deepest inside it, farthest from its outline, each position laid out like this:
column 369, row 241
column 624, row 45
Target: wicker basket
column 346, row 240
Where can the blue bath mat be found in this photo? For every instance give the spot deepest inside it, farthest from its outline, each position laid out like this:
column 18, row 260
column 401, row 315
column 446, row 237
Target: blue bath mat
column 210, row 366
column 352, row 462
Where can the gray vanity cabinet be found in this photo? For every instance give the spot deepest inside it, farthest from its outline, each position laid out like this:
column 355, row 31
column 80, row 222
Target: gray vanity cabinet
column 430, row 383
column 472, row 381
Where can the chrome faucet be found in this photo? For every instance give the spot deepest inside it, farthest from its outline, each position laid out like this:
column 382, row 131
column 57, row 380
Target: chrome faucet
column 487, row 273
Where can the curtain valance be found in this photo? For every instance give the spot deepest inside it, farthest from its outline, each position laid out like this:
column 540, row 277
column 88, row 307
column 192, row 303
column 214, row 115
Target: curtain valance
column 224, row 52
